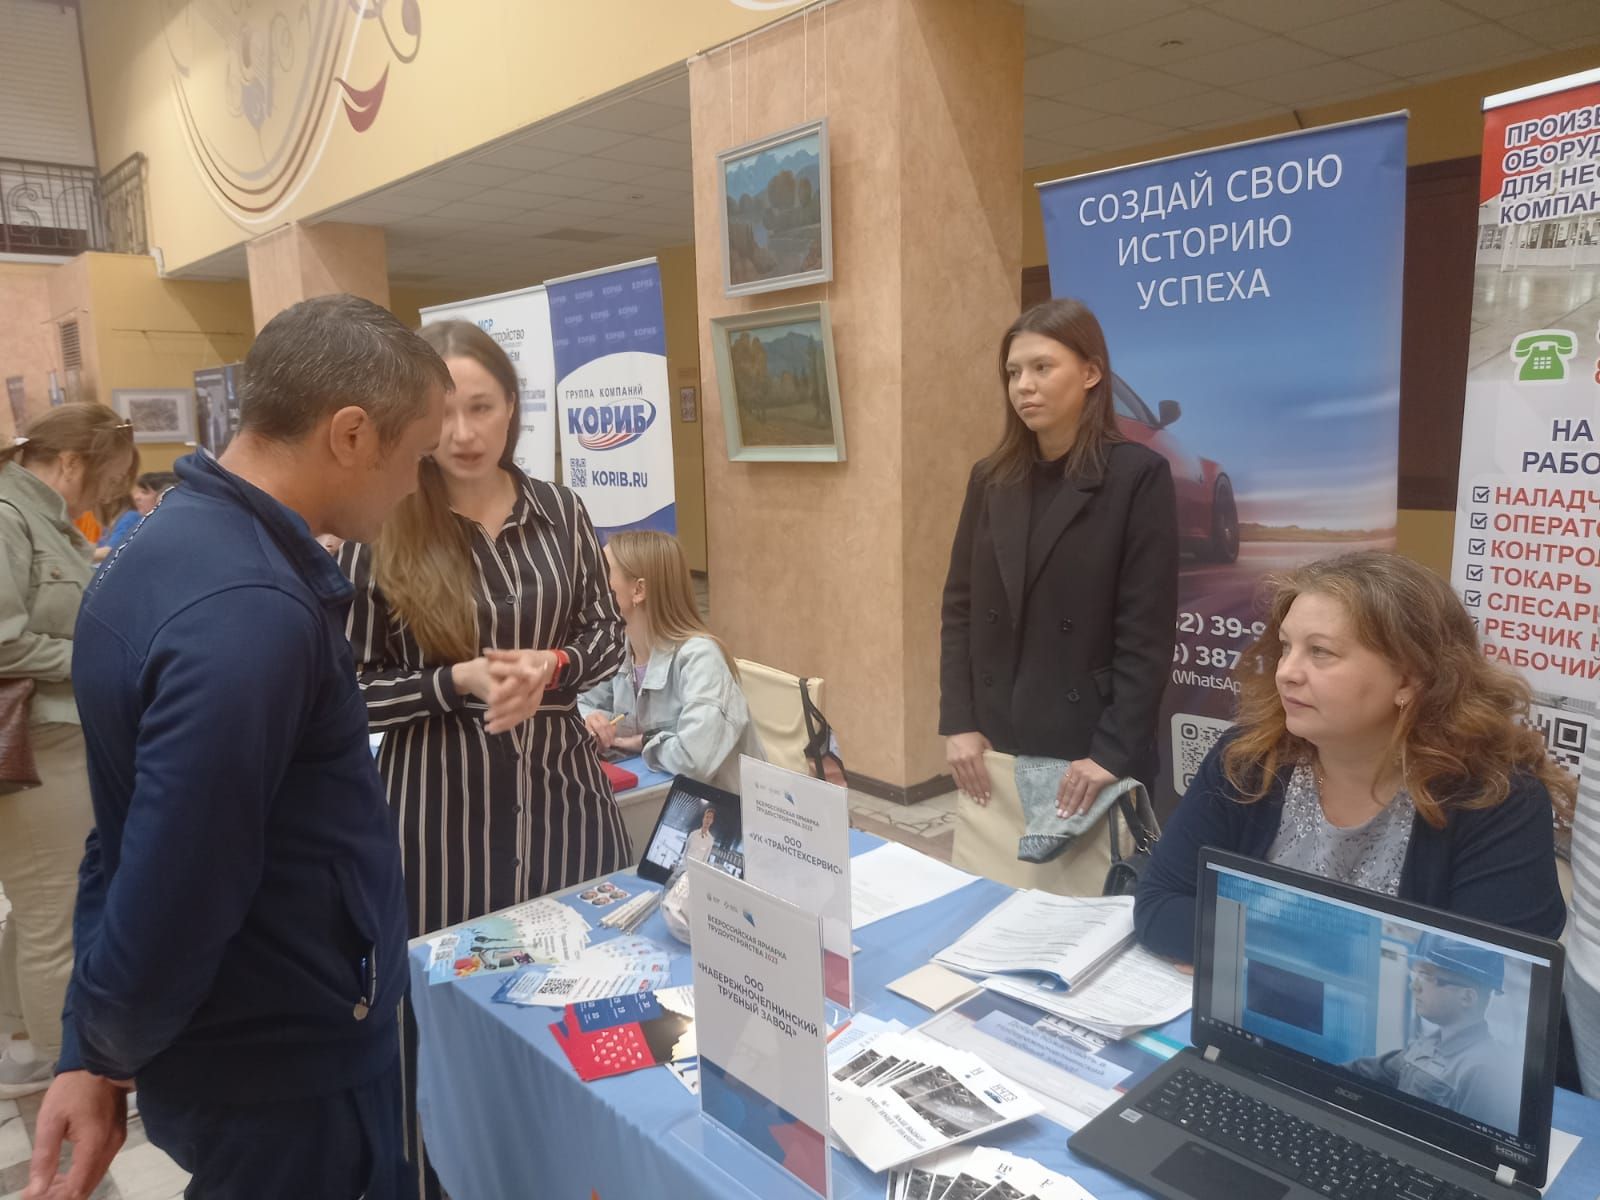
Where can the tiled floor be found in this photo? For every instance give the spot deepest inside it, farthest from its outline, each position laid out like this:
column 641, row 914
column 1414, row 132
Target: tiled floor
column 140, row 1172
column 143, row 1172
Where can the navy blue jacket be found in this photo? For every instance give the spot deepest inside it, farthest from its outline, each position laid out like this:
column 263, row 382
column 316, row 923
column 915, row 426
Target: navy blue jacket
column 1496, row 864
column 241, row 922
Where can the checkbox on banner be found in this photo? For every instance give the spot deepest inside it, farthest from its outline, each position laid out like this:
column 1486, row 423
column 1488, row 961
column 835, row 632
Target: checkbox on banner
column 1480, row 520
column 1475, row 572
column 1478, row 546
column 1474, row 599
column 1480, row 495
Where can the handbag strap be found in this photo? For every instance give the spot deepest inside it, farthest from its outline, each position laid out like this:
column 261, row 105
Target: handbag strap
column 1143, row 828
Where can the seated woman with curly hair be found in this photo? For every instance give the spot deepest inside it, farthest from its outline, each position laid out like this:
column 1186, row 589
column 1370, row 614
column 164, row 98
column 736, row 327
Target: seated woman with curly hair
column 1374, row 745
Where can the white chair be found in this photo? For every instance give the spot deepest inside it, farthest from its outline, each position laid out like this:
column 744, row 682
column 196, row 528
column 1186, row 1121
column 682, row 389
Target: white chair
column 778, row 713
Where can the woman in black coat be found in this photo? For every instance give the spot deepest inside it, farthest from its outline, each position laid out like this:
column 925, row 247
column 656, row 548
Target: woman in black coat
column 1062, row 597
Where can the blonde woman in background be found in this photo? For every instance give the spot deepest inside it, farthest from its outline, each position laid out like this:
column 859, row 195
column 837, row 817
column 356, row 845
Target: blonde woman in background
column 73, row 458
column 480, row 613
column 677, row 699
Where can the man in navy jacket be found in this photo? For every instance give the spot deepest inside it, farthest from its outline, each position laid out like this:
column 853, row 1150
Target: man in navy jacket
column 241, row 924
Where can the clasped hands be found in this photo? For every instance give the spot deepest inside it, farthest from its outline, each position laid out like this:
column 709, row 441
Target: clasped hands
column 511, row 682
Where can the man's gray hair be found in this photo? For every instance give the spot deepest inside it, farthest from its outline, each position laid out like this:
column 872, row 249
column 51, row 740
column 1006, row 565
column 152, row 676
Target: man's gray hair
column 331, row 352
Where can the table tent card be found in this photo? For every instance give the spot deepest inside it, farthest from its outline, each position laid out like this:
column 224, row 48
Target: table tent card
column 797, row 846
column 759, row 1022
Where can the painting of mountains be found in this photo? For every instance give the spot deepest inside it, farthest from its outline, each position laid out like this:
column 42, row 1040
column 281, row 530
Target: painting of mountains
column 779, row 391
column 776, row 220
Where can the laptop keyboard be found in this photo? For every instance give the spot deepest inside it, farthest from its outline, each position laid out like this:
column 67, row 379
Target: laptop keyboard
column 1297, row 1150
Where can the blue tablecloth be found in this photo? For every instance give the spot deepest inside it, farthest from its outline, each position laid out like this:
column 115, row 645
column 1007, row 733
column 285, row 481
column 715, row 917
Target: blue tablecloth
column 506, row 1118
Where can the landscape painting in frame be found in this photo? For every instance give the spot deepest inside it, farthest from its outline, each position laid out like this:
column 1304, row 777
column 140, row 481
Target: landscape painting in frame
column 776, row 228
column 780, row 390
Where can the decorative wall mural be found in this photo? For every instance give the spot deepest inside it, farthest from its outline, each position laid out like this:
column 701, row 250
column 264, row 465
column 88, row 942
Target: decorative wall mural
column 260, row 85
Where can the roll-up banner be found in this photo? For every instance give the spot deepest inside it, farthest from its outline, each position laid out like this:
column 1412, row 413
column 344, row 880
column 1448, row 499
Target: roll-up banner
column 520, row 322
column 1527, row 546
column 1250, row 296
column 610, row 343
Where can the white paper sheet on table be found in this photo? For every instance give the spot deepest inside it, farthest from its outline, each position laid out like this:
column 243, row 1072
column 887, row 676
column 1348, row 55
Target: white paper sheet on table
column 1562, row 1144
column 894, row 878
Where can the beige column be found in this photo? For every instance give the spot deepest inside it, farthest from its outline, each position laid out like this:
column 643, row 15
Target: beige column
column 299, row 261
column 835, row 570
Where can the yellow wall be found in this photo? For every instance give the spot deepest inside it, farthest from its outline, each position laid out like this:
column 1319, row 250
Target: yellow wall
column 138, row 330
column 27, row 338
column 479, row 71
column 681, row 307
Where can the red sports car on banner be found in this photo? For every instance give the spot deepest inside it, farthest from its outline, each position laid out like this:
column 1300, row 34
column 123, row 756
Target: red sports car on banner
column 1208, row 518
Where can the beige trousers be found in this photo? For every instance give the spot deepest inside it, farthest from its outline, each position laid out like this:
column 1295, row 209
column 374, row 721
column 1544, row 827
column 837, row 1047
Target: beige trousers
column 42, row 831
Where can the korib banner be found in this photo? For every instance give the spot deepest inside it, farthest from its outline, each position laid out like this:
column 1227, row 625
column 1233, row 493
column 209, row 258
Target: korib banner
column 520, row 322
column 1527, row 543
column 609, row 336
column 1250, row 296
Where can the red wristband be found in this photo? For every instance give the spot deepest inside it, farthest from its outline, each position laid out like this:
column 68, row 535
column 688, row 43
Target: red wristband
column 562, row 662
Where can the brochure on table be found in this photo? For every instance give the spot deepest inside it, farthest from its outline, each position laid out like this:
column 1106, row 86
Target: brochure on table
column 759, row 1021
column 797, row 846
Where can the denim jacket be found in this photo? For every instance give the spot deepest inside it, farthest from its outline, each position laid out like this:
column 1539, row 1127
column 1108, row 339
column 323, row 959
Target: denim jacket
column 690, row 709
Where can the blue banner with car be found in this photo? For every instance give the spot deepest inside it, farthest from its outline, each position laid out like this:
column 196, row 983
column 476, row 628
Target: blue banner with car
column 1251, row 300
column 614, row 417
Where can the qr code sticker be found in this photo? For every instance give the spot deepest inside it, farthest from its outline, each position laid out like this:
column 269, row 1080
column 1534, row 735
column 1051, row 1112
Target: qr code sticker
column 1192, row 739
column 577, row 472
column 1566, row 734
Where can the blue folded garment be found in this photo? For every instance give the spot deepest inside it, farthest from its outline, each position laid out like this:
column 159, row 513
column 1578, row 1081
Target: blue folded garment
column 1046, row 835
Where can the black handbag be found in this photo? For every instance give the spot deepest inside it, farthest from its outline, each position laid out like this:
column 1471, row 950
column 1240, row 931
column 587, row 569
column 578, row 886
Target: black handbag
column 1135, row 809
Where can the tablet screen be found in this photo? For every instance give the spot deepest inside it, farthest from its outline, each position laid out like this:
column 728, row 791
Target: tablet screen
column 699, row 822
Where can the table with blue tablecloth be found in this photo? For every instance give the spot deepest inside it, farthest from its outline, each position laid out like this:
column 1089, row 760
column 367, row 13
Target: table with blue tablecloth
column 505, row 1116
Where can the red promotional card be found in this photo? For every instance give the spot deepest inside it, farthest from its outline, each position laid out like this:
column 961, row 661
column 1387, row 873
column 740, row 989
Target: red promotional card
column 602, row 1038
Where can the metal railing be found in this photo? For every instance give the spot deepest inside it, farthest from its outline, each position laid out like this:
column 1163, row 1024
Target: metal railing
column 57, row 208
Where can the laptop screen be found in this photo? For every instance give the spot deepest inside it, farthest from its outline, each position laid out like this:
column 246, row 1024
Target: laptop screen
column 1434, row 1022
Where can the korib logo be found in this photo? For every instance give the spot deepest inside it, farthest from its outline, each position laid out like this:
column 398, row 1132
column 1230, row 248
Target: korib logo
column 610, row 426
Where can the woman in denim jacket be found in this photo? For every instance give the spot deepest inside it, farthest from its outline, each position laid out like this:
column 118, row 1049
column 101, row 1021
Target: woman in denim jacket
column 677, row 698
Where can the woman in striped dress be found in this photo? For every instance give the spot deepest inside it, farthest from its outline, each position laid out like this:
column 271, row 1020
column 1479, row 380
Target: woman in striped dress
column 484, row 600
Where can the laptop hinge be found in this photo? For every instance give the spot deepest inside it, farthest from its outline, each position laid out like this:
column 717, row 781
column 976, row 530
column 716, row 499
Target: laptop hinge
column 1213, row 1053
column 1505, row 1176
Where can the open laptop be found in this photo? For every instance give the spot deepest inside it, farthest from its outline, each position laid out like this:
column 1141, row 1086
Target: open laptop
column 1345, row 1044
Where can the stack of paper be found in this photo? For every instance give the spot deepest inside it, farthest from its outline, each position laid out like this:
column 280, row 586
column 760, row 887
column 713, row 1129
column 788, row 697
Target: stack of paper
column 1073, row 957
column 1061, row 938
column 540, row 931
column 634, row 913
column 981, row 1174
column 1135, row 990
column 907, row 1096
column 620, row 967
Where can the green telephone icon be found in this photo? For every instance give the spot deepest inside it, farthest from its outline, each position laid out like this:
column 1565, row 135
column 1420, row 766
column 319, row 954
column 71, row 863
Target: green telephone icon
column 1543, row 354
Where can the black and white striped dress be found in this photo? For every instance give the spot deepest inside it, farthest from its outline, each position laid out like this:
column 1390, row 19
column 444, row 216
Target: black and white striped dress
column 487, row 822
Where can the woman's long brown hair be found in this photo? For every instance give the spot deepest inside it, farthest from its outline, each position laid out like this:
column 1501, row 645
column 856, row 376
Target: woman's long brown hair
column 671, row 616
column 1462, row 736
column 1072, row 324
column 422, row 561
